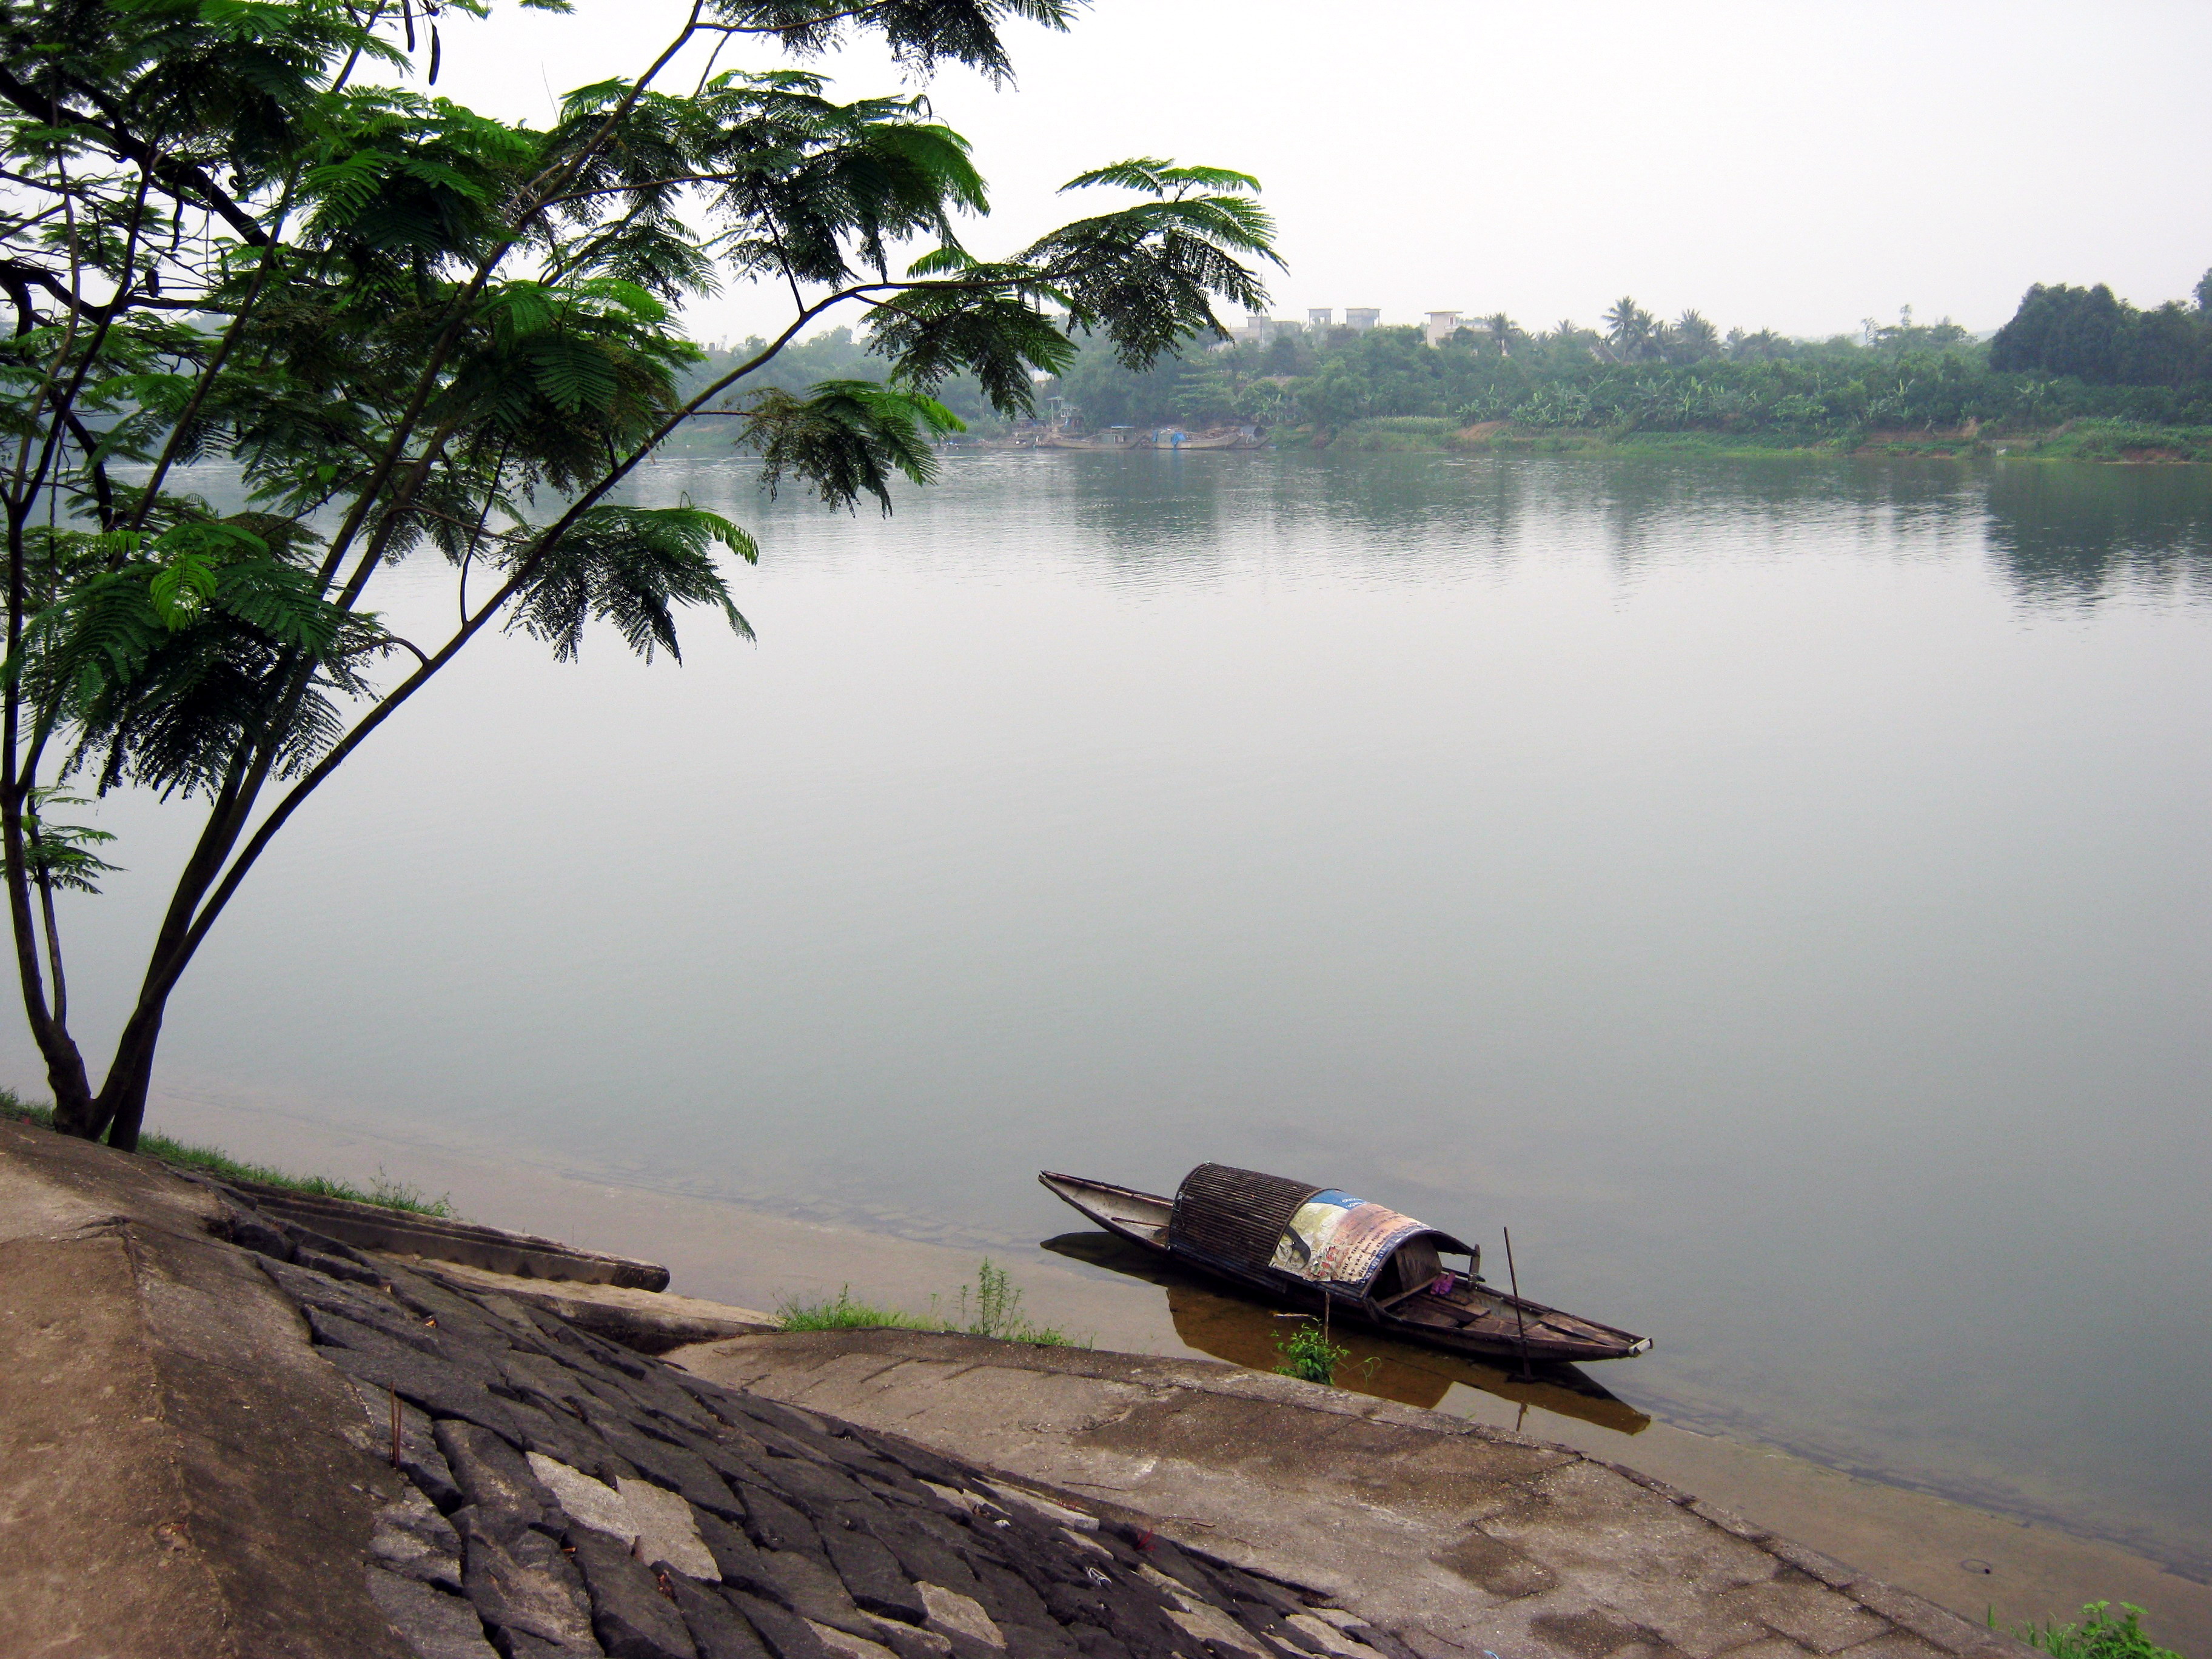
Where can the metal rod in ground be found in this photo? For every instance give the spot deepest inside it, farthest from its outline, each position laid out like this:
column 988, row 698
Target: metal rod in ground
column 1520, row 1327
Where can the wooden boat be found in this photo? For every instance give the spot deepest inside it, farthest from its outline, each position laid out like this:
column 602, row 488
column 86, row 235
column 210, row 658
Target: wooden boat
column 1112, row 438
column 1230, row 437
column 1236, row 1323
column 1315, row 1247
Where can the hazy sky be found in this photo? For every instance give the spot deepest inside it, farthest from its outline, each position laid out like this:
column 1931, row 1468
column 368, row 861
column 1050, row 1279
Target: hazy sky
column 1792, row 166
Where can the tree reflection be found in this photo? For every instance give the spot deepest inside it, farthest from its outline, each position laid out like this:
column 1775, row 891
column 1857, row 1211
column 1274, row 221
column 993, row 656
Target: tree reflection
column 2071, row 535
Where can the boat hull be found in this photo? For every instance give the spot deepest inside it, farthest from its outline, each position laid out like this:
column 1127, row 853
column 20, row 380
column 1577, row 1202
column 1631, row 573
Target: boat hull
column 1506, row 1327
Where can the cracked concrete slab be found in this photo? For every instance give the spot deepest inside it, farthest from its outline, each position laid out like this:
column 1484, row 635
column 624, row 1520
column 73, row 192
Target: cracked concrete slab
column 1453, row 1538
column 163, row 1425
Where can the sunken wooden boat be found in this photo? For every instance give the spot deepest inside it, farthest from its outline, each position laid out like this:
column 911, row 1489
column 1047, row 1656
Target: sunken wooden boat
column 1318, row 1247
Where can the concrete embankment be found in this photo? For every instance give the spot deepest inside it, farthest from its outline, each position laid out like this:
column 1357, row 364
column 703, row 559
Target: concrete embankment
column 200, row 1459
column 1456, row 1537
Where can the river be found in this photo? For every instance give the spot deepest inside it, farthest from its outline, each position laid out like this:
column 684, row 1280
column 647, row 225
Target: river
column 1777, row 890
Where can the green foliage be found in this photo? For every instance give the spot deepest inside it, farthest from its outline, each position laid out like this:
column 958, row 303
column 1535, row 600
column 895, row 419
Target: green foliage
column 167, row 657
column 2093, row 336
column 630, row 567
column 1396, row 432
column 990, row 1307
column 846, row 437
column 1643, row 376
column 995, row 1311
column 1308, row 1355
column 2098, row 1636
column 60, row 855
column 384, row 1191
column 841, row 1313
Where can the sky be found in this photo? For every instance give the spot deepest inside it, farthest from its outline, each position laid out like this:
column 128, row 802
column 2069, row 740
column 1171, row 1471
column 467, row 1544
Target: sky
column 1799, row 166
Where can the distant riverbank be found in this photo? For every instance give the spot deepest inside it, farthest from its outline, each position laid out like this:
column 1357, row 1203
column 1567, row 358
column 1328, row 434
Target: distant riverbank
column 2116, row 442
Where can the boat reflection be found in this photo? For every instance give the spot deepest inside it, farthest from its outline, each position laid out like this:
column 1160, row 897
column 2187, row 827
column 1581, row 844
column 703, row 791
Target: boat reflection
column 1244, row 1332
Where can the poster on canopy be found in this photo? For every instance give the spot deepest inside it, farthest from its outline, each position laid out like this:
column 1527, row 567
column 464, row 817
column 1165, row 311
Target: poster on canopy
column 1337, row 1239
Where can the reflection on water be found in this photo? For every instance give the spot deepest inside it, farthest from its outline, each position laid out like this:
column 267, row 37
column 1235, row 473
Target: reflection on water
column 2060, row 536
column 1217, row 1321
column 2074, row 534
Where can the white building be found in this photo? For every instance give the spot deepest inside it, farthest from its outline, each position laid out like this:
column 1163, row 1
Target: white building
column 1442, row 325
column 1259, row 330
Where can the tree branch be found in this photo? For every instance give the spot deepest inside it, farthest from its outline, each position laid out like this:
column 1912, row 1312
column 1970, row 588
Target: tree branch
column 180, row 181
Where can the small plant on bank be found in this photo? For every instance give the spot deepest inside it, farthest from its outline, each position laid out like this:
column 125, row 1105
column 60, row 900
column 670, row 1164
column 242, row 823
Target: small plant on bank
column 990, row 1307
column 2096, row 1637
column 1308, row 1355
column 997, row 1312
column 841, row 1313
column 384, row 1191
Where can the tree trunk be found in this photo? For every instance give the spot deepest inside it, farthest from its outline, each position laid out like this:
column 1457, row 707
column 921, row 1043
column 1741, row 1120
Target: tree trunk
column 75, row 1112
column 121, row 1107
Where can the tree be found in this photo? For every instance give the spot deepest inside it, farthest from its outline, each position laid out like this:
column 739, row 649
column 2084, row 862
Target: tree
column 424, row 333
column 2062, row 331
column 1629, row 329
column 1502, row 333
column 1762, row 347
column 1695, row 339
column 2092, row 335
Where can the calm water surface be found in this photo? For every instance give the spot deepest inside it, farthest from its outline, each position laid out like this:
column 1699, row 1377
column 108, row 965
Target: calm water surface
column 1779, row 892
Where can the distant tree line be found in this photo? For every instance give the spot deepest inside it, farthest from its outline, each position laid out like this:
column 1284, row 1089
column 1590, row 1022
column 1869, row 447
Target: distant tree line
column 2069, row 352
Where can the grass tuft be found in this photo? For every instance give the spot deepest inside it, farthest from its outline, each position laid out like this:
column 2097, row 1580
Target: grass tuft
column 990, row 1307
column 841, row 1313
column 384, row 1191
column 2096, row 1637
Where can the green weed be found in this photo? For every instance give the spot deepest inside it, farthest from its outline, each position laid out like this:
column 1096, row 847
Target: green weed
column 843, row 1314
column 384, row 1191
column 990, row 1307
column 2096, row 1637
column 1308, row 1355
column 997, row 1312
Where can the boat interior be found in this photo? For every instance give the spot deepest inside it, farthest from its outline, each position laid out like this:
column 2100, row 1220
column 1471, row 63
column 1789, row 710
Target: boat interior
column 1143, row 1215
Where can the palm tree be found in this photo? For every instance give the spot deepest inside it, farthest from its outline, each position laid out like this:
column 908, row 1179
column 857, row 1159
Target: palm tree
column 1629, row 326
column 1695, row 337
column 1502, row 332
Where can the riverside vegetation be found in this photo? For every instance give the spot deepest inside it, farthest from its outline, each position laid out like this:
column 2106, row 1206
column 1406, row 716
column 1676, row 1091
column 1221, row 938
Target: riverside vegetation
column 1308, row 1355
column 2098, row 1636
column 383, row 1191
column 991, row 1307
column 2076, row 373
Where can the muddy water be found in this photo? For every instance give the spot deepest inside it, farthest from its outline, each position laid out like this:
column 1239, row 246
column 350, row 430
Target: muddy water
column 1777, row 891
